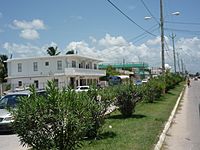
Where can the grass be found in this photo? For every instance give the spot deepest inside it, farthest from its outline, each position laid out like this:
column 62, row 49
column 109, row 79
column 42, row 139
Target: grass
column 139, row 132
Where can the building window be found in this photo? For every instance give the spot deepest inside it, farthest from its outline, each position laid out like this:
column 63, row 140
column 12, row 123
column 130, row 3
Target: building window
column 56, row 82
column 59, row 65
column 35, row 66
column 80, row 65
column 19, row 83
column 73, row 64
column 95, row 66
column 87, row 66
column 36, row 83
column 19, row 67
column 46, row 63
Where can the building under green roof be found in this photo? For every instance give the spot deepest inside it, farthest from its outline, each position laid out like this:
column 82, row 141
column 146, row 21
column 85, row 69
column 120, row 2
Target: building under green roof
column 139, row 68
column 138, row 65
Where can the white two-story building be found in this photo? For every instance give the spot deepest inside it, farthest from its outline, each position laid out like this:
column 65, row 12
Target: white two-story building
column 66, row 70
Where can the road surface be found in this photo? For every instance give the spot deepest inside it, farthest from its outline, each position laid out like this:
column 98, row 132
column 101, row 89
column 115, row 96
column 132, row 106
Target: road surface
column 10, row 142
column 184, row 133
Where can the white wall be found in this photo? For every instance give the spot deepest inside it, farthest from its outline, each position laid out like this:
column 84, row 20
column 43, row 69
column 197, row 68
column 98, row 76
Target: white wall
column 44, row 73
column 27, row 66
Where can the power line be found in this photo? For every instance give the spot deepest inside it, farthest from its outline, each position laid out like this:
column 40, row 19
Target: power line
column 185, row 23
column 129, row 18
column 144, row 36
column 166, row 45
column 169, row 55
column 149, row 11
column 151, row 29
column 182, row 30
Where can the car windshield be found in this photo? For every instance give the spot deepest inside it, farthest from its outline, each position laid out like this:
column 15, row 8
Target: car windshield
column 10, row 101
column 84, row 88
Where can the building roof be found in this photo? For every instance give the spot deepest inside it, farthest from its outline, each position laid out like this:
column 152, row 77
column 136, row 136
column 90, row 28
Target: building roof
column 126, row 65
column 57, row 56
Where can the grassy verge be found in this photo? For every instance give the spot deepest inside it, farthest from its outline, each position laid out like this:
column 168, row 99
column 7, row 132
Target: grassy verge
column 141, row 131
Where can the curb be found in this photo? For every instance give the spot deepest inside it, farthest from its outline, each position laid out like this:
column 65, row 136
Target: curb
column 168, row 124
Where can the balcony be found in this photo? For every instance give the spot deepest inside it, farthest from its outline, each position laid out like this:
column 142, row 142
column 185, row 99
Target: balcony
column 84, row 72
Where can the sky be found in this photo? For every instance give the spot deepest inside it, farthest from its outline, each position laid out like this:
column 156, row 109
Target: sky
column 96, row 29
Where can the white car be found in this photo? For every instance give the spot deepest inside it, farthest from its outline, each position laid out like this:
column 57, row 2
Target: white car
column 144, row 80
column 82, row 88
column 9, row 100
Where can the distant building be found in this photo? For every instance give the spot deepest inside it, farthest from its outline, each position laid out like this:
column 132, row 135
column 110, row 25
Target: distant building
column 66, row 70
column 155, row 71
column 138, row 69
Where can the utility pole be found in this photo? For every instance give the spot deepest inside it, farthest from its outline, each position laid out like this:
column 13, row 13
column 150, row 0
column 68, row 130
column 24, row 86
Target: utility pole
column 174, row 53
column 162, row 36
column 178, row 62
column 182, row 66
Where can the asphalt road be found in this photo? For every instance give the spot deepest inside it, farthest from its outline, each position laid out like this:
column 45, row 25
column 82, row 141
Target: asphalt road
column 184, row 134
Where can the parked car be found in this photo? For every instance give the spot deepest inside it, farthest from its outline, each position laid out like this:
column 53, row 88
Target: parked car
column 144, row 80
column 10, row 101
column 82, row 88
column 196, row 78
column 138, row 82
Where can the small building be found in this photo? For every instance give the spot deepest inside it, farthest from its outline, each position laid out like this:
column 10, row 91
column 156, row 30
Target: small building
column 66, row 70
column 138, row 69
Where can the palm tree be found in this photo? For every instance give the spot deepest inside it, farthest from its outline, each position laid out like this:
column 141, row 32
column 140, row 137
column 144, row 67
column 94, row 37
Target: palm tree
column 3, row 68
column 70, row 52
column 53, row 51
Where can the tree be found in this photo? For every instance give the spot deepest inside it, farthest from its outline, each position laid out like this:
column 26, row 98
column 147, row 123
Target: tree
column 110, row 71
column 70, row 52
column 53, row 51
column 3, row 68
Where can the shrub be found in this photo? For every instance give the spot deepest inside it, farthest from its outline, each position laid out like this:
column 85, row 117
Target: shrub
column 152, row 90
column 58, row 121
column 103, row 98
column 127, row 96
column 171, row 80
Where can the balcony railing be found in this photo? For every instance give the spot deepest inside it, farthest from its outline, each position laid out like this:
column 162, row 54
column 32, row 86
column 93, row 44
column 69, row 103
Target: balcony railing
column 84, row 72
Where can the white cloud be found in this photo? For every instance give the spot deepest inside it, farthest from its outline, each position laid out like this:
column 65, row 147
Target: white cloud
column 29, row 34
column 115, row 49
column 24, row 50
column 28, row 28
column 153, row 41
column 1, row 15
column 34, row 24
column 93, row 40
column 108, row 41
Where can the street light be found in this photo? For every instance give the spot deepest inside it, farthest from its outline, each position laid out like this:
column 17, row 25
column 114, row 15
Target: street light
column 176, row 13
column 162, row 33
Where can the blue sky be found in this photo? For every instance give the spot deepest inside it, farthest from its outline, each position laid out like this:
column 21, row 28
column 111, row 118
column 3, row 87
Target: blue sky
column 95, row 28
